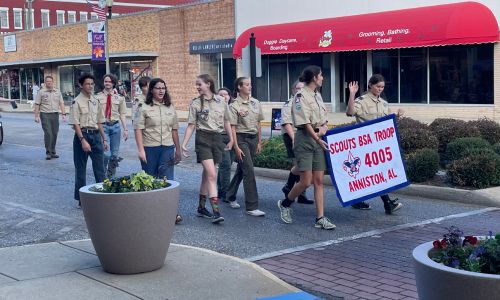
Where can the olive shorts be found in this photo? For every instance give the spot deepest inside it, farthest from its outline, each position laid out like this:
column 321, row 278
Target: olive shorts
column 308, row 154
column 208, row 145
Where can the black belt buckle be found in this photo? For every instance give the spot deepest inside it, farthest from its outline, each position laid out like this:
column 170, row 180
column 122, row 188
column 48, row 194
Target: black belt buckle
column 90, row 130
column 111, row 123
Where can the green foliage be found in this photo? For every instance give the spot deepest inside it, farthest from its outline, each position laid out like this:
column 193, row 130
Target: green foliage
column 344, row 124
column 461, row 147
column 496, row 148
column 273, row 155
column 422, row 165
column 447, row 130
column 480, row 169
column 409, row 123
column 137, row 182
column 489, row 129
column 467, row 253
column 412, row 139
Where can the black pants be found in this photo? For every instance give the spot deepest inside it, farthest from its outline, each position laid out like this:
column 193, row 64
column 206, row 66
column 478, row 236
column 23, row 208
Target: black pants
column 81, row 157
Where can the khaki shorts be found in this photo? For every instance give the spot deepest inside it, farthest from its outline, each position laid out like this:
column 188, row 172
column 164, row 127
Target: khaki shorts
column 308, row 154
column 208, row 145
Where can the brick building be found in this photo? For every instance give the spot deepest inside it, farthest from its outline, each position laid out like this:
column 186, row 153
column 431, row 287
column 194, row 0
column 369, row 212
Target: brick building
column 153, row 43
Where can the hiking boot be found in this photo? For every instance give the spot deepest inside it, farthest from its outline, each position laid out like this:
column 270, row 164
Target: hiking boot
column 285, row 213
column 217, row 218
column 361, row 205
column 324, row 223
column 204, row 213
column 234, row 204
column 256, row 213
column 392, row 205
column 302, row 198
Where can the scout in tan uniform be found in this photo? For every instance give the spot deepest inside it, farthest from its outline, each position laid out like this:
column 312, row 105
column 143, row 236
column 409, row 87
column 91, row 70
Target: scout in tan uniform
column 246, row 115
column 48, row 102
column 224, row 172
column 368, row 107
column 140, row 98
column 87, row 116
column 114, row 111
column 310, row 117
column 209, row 114
column 156, row 133
column 288, row 134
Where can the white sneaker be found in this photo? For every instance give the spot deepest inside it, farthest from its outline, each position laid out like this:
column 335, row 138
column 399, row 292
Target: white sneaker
column 234, row 204
column 256, row 213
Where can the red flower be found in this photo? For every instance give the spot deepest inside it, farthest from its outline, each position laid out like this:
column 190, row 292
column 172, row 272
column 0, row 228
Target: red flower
column 436, row 244
column 470, row 240
column 443, row 243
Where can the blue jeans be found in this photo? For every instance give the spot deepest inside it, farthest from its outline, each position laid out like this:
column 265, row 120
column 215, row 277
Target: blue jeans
column 160, row 161
column 80, row 159
column 113, row 135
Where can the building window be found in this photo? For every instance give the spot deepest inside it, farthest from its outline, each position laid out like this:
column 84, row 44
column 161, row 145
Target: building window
column 4, row 18
column 31, row 21
column 94, row 16
column 71, row 16
column 18, row 18
column 461, row 74
column 221, row 66
column 83, row 16
column 413, row 78
column 60, row 17
column 385, row 62
column 45, row 18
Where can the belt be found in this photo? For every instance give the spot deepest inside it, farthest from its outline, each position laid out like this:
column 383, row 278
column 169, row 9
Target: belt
column 90, row 130
column 304, row 129
column 251, row 135
column 111, row 123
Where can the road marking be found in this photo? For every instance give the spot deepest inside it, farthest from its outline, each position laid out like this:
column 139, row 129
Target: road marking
column 370, row 233
column 37, row 211
column 25, row 222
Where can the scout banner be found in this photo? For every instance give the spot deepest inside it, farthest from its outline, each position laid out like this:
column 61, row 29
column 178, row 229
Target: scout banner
column 365, row 161
column 98, row 44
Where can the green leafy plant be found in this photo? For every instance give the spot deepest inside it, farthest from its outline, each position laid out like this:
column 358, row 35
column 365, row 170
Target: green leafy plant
column 496, row 148
column 468, row 253
column 422, row 165
column 489, row 129
column 461, row 147
column 137, row 182
column 479, row 169
column 409, row 123
column 273, row 155
column 413, row 139
column 447, row 130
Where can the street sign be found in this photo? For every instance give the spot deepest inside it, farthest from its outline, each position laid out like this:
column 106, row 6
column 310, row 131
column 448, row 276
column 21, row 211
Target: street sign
column 245, row 61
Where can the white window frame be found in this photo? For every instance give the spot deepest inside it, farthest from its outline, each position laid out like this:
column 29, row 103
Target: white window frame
column 71, row 15
column 58, row 13
column 94, row 16
column 32, row 17
column 17, row 12
column 6, row 9
column 42, row 13
column 86, row 14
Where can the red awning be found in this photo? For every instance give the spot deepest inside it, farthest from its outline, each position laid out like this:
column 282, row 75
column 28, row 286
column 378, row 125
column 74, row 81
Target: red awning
column 449, row 24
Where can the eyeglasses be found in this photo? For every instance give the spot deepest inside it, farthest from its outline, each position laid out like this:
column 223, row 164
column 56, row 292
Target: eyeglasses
column 160, row 88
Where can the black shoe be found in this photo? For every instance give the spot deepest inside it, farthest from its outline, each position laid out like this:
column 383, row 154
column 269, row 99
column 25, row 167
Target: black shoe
column 361, row 205
column 204, row 213
column 217, row 218
column 54, row 155
column 178, row 219
column 303, row 199
column 48, row 157
column 391, row 206
column 80, row 204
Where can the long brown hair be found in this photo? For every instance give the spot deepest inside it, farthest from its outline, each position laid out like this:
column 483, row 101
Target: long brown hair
column 210, row 81
column 149, row 97
column 237, row 84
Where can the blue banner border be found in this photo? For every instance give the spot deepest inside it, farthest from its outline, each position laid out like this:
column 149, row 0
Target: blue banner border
column 359, row 125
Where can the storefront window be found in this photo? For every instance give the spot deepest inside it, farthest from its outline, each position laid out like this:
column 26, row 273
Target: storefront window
column 66, row 83
column 4, row 84
column 461, row 74
column 278, row 80
column 413, row 68
column 221, row 66
column 385, row 62
column 138, row 70
column 15, row 92
column 209, row 64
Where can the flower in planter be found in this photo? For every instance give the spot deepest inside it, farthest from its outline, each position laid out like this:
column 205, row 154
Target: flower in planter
column 137, row 182
column 468, row 252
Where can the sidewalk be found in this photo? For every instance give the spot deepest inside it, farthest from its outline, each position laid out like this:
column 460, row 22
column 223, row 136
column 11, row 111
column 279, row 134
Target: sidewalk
column 71, row 270
column 375, row 265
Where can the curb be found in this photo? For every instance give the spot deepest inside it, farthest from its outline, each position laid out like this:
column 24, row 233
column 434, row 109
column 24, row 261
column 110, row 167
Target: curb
column 486, row 197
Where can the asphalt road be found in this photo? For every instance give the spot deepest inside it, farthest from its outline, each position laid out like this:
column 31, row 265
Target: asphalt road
column 36, row 202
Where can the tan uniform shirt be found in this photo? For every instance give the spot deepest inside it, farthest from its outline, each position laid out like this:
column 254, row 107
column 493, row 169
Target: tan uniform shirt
column 245, row 114
column 157, row 123
column 138, row 102
column 286, row 115
column 49, row 100
column 308, row 108
column 369, row 107
column 86, row 112
column 118, row 106
column 213, row 115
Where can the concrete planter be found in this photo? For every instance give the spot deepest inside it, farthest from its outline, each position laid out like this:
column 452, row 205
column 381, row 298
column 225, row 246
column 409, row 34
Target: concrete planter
column 437, row 282
column 131, row 232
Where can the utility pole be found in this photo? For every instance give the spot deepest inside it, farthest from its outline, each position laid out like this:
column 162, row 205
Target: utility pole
column 109, row 3
column 253, row 65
